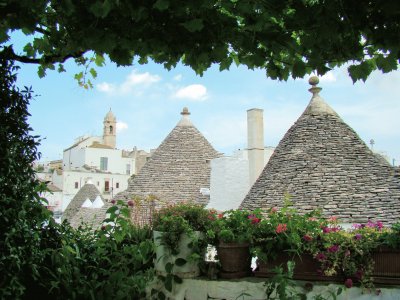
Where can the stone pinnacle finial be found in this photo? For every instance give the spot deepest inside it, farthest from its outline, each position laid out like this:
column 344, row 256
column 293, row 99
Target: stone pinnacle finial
column 185, row 111
column 313, row 81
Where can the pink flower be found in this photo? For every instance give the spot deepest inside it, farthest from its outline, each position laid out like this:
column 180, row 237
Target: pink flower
column 113, row 201
column 332, row 219
column 255, row 221
column 130, row 203
column 326, row 229
column 273, row 210
column 379, row 225
column 347, row 253
column 333, row 249
column 307, row 238
column 358, row 237
column 281, row 228
column 220, row 216
column 312, row 219
column 348, row 283
column 320, row 257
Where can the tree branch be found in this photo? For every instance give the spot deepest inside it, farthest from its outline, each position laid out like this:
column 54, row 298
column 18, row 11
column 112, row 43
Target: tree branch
column 46, row 59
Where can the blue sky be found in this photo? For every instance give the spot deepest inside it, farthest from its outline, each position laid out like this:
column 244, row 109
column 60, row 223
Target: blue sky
column 147, row 101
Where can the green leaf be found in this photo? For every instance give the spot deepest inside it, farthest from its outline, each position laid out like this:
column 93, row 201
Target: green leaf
column 161, row 5
column 177, row 279
column 99, row 60
column 61, row 68
column 180, row 261
column 41, row 72
column 101, row 9
column 168, row 283
column 79, row 77
column 93, row 72
column 386, row 64
column 168, row 267
column 194, row 25
column 299, row 69
column 362, row 71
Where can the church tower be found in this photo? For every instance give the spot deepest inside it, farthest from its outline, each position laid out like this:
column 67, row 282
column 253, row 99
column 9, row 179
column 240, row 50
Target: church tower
column 109, row 130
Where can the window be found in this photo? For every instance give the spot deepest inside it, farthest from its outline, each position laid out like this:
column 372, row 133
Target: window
column 76, row 184
column 111, row 130
column 117, row 185
column 128, row 169
column 103, row 163
column 106, row 186
column 98, row 183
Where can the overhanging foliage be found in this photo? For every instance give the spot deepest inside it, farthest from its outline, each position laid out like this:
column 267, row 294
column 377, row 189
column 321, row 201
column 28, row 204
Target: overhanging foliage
column 286, row 38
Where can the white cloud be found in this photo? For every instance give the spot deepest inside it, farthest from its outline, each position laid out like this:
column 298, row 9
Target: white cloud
column 178, row 77
column 195, row 92
column 326, row 78
column 106, row 87
column 135, row 82
column 121, row 126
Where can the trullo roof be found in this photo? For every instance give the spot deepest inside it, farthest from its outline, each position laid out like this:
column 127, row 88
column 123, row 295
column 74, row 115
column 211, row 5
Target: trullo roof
column 322, row 163
column 178, row 168
column 88, row 191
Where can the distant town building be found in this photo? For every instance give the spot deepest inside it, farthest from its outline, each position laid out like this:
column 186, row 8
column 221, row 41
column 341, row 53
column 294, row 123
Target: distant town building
column 323, row 164
column 95, row 159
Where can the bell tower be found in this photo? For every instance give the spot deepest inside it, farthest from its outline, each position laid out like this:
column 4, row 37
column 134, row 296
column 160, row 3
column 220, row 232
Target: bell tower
column 110, row 129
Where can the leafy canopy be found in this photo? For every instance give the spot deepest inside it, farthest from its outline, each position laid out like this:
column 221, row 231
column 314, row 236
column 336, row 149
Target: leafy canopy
column 285, row 38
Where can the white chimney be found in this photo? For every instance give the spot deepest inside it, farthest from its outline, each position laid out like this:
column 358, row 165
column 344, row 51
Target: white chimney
column 255, row 143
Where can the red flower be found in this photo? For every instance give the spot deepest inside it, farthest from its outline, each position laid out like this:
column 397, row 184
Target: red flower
column 220, row 216
column 255, row 220
column 274, row 210
column 348, row 283
column 307, row 238
column 211, row 217
column 281, row 228
column 130, row 203
column 103, row 227
column 113, row 201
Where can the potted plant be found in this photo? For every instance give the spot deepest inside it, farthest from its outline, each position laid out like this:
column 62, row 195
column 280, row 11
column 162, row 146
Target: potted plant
column 284, row 235
column 231, row 232
column 179, row 238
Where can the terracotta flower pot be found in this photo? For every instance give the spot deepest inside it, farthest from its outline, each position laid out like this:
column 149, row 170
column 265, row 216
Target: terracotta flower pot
column 235, row 260
column 306, row 268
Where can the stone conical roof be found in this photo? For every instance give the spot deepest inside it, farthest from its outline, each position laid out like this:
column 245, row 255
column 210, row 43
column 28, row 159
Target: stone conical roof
column 88, row 191
column 178, row 168
column 322, row 163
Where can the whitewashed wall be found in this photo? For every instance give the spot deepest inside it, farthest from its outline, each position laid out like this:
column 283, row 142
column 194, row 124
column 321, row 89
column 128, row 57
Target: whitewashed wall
column 229, row 181
column 98, row 179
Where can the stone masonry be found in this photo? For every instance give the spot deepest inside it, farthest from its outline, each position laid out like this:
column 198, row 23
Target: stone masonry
column 322, row 163
column 177, row 170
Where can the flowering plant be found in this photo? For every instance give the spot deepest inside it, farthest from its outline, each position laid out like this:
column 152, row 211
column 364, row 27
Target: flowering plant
column 347, row 253
column 285, row 230
column 232, row 226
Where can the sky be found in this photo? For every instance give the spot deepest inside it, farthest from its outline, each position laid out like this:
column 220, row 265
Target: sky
column 147, row 101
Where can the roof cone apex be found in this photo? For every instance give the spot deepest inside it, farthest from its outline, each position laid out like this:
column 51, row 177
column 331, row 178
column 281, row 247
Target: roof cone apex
column 317, row 105
column 185, row 121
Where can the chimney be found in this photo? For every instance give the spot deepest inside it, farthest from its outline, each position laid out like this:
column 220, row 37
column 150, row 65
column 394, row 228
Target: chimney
column 255, row 143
